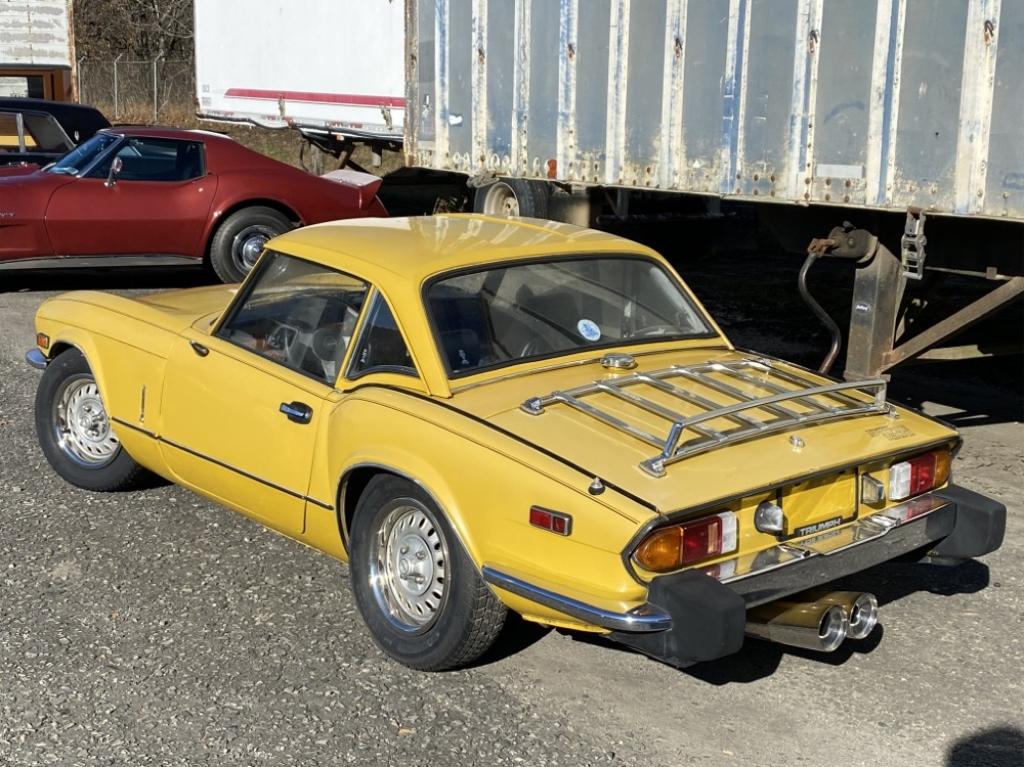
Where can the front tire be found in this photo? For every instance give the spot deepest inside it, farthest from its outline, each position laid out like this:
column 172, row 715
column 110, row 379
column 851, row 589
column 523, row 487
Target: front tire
column 416, row 587
column 74, row 429
column 239, row 240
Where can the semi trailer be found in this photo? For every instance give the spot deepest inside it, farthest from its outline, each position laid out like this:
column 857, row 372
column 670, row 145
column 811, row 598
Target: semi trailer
column 886, row 131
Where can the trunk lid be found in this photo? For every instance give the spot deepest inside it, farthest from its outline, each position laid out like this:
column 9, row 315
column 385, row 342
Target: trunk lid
column 784, row 450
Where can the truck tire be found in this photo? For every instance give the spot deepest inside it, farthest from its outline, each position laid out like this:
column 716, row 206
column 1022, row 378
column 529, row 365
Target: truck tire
column 513, row 197
column 240, row 238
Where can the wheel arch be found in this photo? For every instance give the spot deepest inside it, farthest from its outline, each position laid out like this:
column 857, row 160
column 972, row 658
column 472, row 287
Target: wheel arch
column 80, row 342
column 223, row 214
column 357, row 477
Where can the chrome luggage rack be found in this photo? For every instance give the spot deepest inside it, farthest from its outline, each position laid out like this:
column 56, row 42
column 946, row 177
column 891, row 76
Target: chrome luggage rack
column 822, row 402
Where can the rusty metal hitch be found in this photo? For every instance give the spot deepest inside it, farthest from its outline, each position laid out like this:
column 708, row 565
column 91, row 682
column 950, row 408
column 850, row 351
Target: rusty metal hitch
column 845, row 242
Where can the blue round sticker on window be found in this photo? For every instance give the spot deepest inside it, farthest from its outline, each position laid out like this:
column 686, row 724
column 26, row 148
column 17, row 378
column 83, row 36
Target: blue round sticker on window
column 589, row 330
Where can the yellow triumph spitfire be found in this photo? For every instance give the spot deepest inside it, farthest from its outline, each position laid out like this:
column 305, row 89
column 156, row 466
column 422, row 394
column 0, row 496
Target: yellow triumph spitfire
column 484, row 415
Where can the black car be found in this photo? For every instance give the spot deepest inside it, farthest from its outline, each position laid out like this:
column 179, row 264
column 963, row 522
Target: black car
column 38, row 131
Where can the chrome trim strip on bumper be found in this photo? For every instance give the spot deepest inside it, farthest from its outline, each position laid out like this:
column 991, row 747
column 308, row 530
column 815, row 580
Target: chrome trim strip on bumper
column 776, row 572
column 797, row 565
column 36, row 359
column 646, row 618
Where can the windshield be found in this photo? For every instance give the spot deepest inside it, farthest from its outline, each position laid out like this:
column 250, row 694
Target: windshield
column 502, row 315
column 80, row 158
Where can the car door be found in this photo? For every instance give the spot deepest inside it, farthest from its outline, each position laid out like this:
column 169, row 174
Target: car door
column 157, row 205
column 243, row 405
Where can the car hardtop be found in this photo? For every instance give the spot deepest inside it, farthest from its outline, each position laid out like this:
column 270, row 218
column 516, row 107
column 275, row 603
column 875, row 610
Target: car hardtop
column 73, row 118
column 401, row 257
column 401, row 254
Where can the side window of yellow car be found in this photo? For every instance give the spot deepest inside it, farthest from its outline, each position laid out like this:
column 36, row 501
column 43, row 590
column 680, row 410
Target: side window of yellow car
column 298, row 314
column 381, row 348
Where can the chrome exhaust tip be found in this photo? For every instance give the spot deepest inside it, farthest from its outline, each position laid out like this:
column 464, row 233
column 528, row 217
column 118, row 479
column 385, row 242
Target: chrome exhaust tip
column 810, row 625
column 861, row 609
column 863, row 616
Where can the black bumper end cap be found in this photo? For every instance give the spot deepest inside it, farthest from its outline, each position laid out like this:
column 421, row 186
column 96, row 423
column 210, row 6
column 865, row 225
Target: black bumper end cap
column 980, row 524
column 708, row 620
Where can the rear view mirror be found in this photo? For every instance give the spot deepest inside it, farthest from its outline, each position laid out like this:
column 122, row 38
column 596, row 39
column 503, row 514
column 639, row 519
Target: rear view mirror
column 115, row 168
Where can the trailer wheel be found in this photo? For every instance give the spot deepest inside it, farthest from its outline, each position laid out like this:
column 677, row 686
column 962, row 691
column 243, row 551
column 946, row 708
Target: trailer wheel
column 513, row 197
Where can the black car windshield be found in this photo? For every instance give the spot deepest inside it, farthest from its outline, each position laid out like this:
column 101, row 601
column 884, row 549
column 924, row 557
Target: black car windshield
column 517, row 312
column 80, row 158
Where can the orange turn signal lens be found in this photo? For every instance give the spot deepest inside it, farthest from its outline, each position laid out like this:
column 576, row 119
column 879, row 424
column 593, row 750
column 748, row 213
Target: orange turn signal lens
column 662, row 551
column 943, row 463
column 42, row 341
column 671, row 548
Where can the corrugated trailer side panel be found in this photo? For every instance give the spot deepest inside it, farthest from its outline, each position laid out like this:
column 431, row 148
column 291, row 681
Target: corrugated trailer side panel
column 34, row 33
column 877, row 103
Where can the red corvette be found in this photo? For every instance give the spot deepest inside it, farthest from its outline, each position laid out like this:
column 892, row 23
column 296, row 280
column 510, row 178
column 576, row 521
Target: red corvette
column 165, row 196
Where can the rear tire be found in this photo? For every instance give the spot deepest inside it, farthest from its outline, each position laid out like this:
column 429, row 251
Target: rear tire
column 74, row 429
column 416, row 587
column 512, row 197
column 239, row 240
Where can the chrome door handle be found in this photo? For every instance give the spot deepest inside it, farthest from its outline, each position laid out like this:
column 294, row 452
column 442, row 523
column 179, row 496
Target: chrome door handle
column 198, row 348
column 299, row 412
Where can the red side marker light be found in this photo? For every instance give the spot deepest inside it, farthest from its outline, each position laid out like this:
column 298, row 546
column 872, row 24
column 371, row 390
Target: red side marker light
column 554, row 521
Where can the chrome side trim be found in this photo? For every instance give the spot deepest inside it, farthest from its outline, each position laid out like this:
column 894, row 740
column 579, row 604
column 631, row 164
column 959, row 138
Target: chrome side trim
column 643, row 619
column 98, row 262
column 229, row 467
column 36, row 359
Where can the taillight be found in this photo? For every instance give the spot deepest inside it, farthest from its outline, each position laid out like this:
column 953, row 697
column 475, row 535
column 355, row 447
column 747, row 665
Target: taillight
column 669, row 548
column 918, row 475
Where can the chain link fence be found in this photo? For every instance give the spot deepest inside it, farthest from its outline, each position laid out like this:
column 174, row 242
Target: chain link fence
column 136, row 91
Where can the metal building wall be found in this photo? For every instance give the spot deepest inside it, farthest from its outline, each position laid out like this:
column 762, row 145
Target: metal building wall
column 878, row 103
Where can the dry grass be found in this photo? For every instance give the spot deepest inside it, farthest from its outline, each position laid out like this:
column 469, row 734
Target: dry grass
column 284, row 145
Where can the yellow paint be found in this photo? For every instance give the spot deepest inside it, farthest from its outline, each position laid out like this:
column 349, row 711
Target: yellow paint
column 212, row 420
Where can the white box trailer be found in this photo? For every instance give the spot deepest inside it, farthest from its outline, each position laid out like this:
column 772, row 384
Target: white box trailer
column 36, row 49
column 808, row 111
column 329, row 68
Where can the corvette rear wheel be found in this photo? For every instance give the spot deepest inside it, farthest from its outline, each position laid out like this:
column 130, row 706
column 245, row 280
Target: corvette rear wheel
column 416, row 587
column 74, row 428
column 239, row 240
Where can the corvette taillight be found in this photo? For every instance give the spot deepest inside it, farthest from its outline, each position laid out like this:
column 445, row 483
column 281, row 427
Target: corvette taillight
column 918, row 475
column 673, row 547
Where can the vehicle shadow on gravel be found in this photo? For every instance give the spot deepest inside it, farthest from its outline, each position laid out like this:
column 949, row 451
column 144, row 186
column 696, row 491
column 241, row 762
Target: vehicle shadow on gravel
column 516, row 636
column 888, row 582
column 995, row 747
column 135, row 278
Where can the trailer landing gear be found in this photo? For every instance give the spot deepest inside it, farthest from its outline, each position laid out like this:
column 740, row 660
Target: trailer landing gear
column 880, row 279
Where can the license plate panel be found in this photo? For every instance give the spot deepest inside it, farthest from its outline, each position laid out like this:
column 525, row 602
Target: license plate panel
column 818, row 504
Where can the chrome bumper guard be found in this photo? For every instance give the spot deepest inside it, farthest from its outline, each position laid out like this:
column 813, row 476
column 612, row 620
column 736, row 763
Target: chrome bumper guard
column 777, row 572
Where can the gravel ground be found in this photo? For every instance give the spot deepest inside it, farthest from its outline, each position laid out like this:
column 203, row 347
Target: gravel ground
column 153, row 627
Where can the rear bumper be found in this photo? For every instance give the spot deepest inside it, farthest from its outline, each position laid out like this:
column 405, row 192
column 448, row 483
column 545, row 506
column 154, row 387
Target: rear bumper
column 695, row 616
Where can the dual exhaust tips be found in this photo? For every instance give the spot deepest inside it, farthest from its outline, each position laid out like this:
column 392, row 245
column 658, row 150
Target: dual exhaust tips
column 815, row 620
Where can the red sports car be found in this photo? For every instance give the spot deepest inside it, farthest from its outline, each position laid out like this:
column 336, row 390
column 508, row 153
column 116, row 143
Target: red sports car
column 164, row 196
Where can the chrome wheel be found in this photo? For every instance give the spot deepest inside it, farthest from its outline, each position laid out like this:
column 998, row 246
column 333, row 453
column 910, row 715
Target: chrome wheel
column 247, row 245
column 409, row 567
column 80, row 423
column 501, row 200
